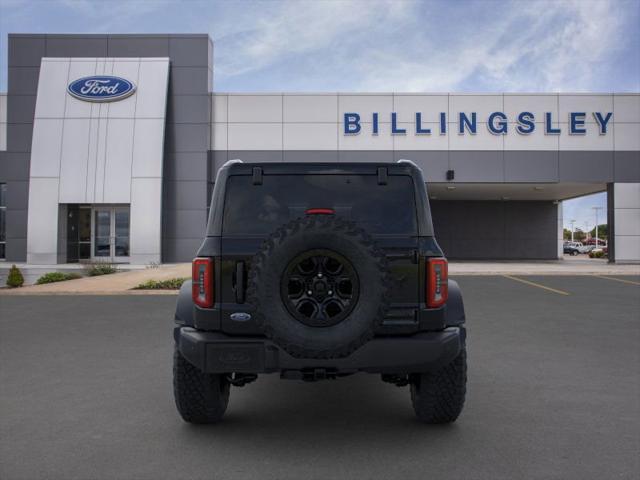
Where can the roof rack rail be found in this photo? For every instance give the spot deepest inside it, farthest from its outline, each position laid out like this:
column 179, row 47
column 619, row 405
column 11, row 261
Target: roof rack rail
column 231, row 162
column 410, row 162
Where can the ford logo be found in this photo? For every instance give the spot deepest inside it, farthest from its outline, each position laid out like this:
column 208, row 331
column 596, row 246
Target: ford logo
column 101, row 88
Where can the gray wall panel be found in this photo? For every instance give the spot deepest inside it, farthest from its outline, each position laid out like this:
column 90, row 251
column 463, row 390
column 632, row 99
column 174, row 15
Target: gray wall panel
column 185, row 223
column 189, row 51
column 16, row 223
column 138, row 46
column 185, row 195
column 528, row 166
column 76, row 46
column 496, row 230
column 256, row 155
column 477, row 166
column 17, row 247
column 22, row 108
column 186, row 137
column 23, row 80
column 434, row 163
column 586, row 166
column 188, row 80
column 181, row 249
column 26, row 50
column 626, row 166
column 328, row 156
column 185, row 166
column 365, row 156
column 19, row 137
column 188, row 109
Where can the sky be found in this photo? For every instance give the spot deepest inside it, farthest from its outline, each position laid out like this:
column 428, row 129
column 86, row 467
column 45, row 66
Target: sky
column 378, row 45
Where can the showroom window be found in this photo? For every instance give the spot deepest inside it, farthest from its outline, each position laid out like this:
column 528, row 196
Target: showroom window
column 3, row 221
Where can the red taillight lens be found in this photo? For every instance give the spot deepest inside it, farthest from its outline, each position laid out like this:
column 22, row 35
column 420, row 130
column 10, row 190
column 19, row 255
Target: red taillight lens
column 437, row 282
column 202, row 282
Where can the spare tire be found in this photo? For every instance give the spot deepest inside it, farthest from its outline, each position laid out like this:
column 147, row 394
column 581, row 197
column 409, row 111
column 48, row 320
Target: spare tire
column 319, row 286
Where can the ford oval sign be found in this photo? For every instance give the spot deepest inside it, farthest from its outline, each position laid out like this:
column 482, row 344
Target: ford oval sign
column 101, row 88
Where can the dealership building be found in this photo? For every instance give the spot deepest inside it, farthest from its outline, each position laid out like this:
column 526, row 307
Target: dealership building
column 110, row 144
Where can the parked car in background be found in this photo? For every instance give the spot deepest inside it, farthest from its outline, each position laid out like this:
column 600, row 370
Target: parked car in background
column 571, row 248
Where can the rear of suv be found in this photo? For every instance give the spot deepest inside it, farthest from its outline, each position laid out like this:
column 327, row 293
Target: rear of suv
column 316, row 271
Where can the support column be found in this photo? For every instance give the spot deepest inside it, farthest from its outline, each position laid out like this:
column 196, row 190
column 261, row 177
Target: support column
column 560, row 236
column 623, row 207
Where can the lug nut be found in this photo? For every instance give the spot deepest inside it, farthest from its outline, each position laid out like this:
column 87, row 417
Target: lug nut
column 309, row 292
column 320, row 275
column 330, row 292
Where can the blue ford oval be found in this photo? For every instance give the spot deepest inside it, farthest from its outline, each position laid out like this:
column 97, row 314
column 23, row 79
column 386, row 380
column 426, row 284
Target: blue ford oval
column 101, row 88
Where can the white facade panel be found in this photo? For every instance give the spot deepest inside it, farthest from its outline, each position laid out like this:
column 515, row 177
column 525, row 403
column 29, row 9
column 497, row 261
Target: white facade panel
column 255, row 136
column 45, row 147
column 539, row 105
column 366, row 141
column 118, row 161
column 310, row 136
column 74, row 161
column 365, row 105
column 584, row 103
column 146, row 220
column 42, row 222
column 255, row 108
column 533, row 141
column 626, row 195
column 219, row 105
column 92, row 151
column 483, row 105
column 151, row 94
column 411, row 141
column 628, row 222
column 626, row 108
column 592, row 140
column 430, row 107
column 627, row 136
column 219, row 133
column 310, row 108
column 148, row 143
column 482, row 140
column 53, row 80
column 627, row 249
column 77, row 108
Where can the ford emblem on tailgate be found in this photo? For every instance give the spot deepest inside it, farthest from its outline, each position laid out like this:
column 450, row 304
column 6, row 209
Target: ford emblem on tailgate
column 240, row 317
column 101, row 88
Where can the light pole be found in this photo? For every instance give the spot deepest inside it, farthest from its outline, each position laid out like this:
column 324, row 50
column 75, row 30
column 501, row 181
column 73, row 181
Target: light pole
column 572, row 222
column 596, row 209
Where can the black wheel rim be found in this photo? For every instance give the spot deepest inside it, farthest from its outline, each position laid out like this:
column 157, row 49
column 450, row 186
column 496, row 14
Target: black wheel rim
column 320, row 288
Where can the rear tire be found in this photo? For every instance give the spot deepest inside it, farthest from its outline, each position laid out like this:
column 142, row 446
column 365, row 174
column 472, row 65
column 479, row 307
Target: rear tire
column 200, row 397
column 438, row 397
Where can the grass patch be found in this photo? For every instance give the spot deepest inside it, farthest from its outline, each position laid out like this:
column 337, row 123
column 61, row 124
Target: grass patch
column 53, row 277
column 97, row 269
column 168, row 284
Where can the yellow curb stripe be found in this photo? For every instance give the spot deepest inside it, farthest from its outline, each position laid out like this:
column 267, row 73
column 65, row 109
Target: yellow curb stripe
column 534, row 284
column 630, row 282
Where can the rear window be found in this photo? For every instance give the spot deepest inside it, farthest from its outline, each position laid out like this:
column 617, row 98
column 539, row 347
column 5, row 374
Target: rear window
column 260, row 209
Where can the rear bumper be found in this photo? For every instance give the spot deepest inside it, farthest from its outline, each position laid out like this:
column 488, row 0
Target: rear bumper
column 215, row 352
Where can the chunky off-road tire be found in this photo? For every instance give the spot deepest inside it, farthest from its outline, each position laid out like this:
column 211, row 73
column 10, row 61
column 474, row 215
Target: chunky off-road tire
column 200, row 397
column 438, row 397
column 318, row 233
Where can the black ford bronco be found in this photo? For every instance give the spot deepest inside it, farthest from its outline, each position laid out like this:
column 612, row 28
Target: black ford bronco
column 318, row 271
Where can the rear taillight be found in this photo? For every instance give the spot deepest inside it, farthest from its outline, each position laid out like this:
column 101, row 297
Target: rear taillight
column 202, row 282
column 437, row 282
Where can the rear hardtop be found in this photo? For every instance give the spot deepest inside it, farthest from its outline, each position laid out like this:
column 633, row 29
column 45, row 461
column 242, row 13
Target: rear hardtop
column 258, row 172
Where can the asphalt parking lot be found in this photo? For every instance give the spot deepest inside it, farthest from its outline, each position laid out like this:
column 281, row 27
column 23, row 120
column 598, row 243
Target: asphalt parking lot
column 554, row 392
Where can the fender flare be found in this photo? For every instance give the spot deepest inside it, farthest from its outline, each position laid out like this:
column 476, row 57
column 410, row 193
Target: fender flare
column 455, row 306
column 184, row 306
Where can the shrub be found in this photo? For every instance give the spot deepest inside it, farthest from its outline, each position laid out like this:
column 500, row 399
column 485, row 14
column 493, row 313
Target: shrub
column 169, row 284
column 96, row 269
column 15, row 278
column 52, row 277
column 596, row 254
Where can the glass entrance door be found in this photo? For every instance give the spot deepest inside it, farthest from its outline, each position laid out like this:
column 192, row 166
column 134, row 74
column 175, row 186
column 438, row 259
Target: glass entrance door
column 111, row 234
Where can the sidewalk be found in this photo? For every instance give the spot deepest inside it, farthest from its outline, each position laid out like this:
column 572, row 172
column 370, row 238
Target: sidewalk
column 113, row 284
column 580, row 265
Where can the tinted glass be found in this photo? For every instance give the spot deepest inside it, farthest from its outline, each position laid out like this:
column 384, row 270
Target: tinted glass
column 260, row 209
